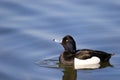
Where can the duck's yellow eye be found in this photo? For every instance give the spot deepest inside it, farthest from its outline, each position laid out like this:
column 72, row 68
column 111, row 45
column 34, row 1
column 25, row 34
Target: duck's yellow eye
column 67, row 40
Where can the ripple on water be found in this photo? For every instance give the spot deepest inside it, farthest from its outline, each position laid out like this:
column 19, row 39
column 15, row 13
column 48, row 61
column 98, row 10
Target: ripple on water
column 54, row 63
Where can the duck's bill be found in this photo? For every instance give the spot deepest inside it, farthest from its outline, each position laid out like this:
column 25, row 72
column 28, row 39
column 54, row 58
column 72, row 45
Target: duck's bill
column 58, row 41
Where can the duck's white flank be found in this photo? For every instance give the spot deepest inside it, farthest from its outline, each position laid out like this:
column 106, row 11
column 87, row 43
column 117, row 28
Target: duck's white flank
column 92, row 62
column 90, row 66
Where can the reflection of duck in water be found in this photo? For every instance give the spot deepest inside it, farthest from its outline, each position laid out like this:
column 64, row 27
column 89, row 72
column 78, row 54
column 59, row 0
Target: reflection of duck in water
column 84, row 58
column 69, row 74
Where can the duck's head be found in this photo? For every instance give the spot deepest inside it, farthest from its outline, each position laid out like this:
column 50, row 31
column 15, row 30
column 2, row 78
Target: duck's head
column 69, row 44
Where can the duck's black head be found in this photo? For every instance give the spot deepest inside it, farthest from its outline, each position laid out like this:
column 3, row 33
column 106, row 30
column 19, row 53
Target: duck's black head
column 69, row 44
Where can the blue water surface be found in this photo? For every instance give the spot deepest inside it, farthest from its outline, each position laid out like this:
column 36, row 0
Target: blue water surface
column 27, row 28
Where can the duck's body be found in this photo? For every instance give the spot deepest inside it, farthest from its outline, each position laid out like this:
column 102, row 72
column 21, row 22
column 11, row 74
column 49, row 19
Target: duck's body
column 84, row 54
column 71, row 56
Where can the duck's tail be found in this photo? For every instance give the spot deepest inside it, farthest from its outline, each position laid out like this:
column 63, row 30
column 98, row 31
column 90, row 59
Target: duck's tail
column 108, row 56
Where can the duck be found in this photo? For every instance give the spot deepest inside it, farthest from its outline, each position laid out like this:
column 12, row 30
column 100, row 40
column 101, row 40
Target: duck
column 81, row 57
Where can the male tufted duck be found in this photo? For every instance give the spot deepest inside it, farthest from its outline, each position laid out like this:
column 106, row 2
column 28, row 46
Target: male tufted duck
column 71, row 56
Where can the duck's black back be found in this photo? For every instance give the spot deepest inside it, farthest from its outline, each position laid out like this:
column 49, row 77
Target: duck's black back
column 87, row 53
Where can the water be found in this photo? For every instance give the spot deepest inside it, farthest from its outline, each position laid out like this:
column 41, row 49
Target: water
column 27, row 29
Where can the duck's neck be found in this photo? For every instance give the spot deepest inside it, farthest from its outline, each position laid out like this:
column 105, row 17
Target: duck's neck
column 68, row 55
column 70, row 51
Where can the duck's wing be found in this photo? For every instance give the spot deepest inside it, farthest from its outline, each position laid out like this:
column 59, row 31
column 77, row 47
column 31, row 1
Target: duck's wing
column 104, row 56
column 87, row 53
column 84, row 54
